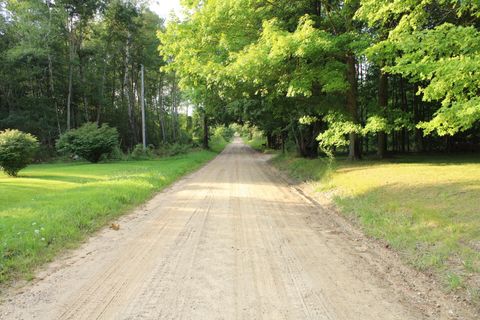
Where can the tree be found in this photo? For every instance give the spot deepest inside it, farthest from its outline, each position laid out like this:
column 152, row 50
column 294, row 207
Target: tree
column 435, row 43
column 295, row 60
column 355, row 76
column 64, row 63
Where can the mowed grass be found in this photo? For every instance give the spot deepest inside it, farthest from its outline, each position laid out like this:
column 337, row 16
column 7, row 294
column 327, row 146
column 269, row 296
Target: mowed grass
column 427, row 208
column 50, row 207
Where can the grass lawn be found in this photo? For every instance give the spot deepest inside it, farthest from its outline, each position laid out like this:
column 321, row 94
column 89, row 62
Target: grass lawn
column 50, row 207
column 427, row 208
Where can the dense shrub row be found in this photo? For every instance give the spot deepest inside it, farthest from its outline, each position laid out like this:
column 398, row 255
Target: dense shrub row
column 90, row 142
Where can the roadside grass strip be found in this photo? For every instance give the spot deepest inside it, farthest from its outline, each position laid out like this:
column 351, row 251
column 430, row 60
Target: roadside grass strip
column 51, row 207
column 428, row 209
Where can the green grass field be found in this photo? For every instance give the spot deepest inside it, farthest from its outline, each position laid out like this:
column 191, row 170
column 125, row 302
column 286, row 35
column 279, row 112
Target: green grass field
column 426, row 208
column 50, row 207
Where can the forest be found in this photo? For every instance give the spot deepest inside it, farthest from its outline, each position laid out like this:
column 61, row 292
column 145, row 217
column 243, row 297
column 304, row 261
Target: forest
column 66, row 63
column 320, row 77
column 353, row 77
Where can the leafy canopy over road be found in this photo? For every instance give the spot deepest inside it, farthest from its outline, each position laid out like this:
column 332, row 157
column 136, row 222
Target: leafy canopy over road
column 339, row 71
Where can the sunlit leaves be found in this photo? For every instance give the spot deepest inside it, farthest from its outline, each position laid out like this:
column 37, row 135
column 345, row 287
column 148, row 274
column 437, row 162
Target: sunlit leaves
column 339, row 127
column 295, row 60
column 449, row 59
column 443, row 56
column 458, row 116
column 376, row 124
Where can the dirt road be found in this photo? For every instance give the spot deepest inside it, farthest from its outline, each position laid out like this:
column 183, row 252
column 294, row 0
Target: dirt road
column 231, row 241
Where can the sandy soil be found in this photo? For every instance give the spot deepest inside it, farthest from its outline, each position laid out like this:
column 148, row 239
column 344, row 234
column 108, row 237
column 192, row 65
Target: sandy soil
column 231, row 241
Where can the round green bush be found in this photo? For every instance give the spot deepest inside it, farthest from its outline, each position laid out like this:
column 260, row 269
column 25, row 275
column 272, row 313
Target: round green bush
column 89, row 141
column 17, row 150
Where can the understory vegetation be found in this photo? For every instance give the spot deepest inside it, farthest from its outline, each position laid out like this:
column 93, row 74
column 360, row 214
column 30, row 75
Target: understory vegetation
column 425, row 207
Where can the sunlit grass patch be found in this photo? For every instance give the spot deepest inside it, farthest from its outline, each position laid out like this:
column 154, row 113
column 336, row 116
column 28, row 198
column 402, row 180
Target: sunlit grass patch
column 54, row 206
column 426, row 208
column 257, row 142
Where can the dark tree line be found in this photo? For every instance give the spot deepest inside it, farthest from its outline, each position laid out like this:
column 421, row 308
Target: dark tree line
column 67, row 62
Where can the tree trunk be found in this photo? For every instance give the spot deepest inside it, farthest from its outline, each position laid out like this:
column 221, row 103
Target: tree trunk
column 162, row 121
column 307, row 143
column 52, row 90
column 205, row 131
column 114, row 87
column 50, row 71
column 161, row 111
column 128, row 86
column 383, row 104
column 174, row 108
column 70, row 75
column 269, row 140
column 418, row 145
column 404, row 107
column 102, row 92
column 84, row 95
column 294, row 134
column 354, row 145
column 82, row 74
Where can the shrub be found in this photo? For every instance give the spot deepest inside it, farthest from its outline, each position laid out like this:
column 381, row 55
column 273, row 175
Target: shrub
column 138, row 153
column 177, row 148
column 17, row 150
column 89, row 141
column 115, row 154
column 226, row 132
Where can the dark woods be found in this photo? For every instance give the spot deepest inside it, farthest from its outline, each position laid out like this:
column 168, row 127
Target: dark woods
column 64, row 63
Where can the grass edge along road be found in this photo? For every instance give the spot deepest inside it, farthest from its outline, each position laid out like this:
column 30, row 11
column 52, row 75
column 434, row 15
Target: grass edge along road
column 427, row 209
column 50, row 207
